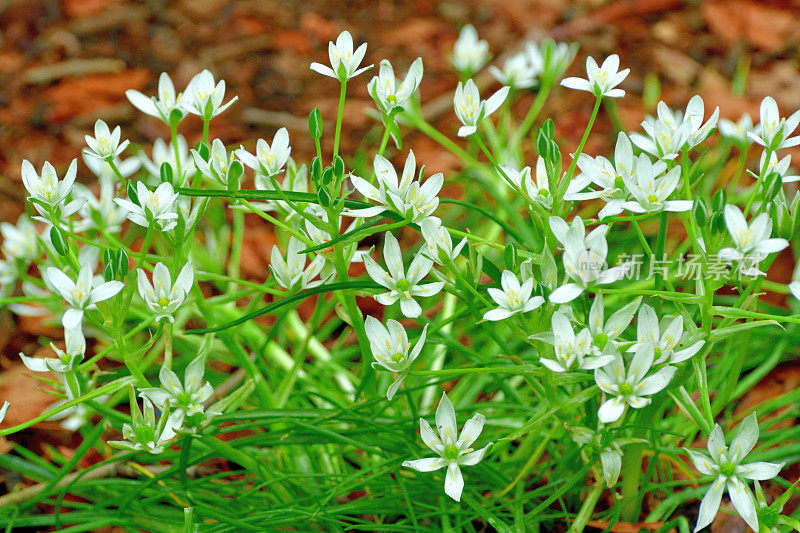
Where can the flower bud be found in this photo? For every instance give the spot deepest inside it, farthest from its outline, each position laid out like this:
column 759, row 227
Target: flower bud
column 700, row 212
column 719, row 201
column 166, row 172
column 315, row 124
column 59, row 240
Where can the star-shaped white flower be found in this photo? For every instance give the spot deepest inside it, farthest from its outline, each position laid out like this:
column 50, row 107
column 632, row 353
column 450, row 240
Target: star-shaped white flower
column 203, row 98
column 662, row 337
column 470, row 54
column 752, row 242
column 270, row 158
column 774, row 132
column 106, row 143
column 630, row 386
column 184, row 399
column 344, row 61
column 293, row 273
column 47, row 192
column 606, row 332
column 391, row 349
column 453, row 450
column 160, row 106
column 519, row 71
column 513, row 299
column 66, row 360
column 145, row 433
column 737, row 131
column 162, row 296
column 403, row 285
column 156, row 207
column 651, row 191
column 471, row 110
column 80, row 294
column 387, row 92
column 584, row 258
column 410, row 198
column 725, row 463
column 600, row 81
column 440, row 244
column 571, row 351
column 608, row 177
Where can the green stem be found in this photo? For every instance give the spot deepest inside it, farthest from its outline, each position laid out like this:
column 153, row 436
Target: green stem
column 631, row 478
column 759, row 181
column 577, row 154
column 585, row 512
column 339, row 120
column 173, row 131
column 168, row 345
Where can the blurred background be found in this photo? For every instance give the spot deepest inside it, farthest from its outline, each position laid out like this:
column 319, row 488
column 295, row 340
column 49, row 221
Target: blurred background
column 64, row 64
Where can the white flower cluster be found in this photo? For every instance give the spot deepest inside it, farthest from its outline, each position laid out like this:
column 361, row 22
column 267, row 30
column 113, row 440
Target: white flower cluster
column 556, row 301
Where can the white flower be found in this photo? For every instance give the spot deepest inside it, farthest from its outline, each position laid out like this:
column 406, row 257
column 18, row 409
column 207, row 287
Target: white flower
column 292, row 273
column 737, row 131
column 440, row 244
column 606, row 332
column 554, row 57
column 538, row 190
column 402, row 285
column 80, row 294
column 454, row 450
column 344, row 61
column 572, row 352
column 216, row 168
column 752, row 242
column 609, row 178
column 780, row 167
column 600, row 81
column 630, row 386
column 105, row 143
column 161, row 105
column 387, row 92
column 470, row 54
column 391, row 349
column 773, row 131
column 66, row 359
column 694, row 115
column 162, row 296
column 154, row 207
column 185, row 399
column 20, row 241
column 203, row 98
column 663, row 140
column 145, row 433
column 471, row 110
column 519, row 71
column 269, row 159
column 47, row 192
column 165, row 153
column 407, row 197
column 725, row 464
column 584, row 258
column 513, row 299
column 662, row 337
column 651, row 190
